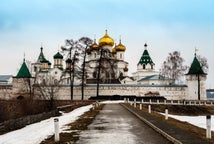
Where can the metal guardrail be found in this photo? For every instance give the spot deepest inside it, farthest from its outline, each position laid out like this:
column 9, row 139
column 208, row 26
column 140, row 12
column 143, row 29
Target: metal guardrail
column 175, row 102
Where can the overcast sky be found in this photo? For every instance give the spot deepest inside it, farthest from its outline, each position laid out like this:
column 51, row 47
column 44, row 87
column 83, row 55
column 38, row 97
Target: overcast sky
column 166, row 25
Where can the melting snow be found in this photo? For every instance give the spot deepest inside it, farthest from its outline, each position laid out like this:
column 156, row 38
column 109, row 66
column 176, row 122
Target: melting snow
column 199, row 121
column 37, row 132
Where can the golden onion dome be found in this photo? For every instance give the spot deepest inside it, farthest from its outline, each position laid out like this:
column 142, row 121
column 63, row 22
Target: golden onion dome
column 120, row 47
column 125, row 69
column 94, row 46
column 106, row 40
column 114, row 51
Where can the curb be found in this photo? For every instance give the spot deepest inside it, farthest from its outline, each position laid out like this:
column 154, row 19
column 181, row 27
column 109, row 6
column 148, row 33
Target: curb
column 167, row 136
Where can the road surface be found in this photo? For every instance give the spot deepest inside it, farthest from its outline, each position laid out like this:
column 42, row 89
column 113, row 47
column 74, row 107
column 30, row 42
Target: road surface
column 116, row 125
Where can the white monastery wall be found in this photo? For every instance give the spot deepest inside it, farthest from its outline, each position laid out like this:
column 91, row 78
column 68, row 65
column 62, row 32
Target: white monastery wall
column 170, row 93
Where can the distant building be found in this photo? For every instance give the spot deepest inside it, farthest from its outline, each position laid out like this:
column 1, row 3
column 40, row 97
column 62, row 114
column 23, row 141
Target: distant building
column 6, row 80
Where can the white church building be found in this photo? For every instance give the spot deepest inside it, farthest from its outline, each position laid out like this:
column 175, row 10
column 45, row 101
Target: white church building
column 114, row 79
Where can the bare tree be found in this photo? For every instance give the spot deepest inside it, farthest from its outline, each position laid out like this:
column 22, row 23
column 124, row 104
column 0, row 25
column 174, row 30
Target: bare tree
column 74, row 49
column 48, row 87
column 87, row 42
column 106, row 68
column 204, row 64
column 173, row 67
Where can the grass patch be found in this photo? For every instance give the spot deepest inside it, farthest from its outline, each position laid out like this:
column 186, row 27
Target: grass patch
column 183, row 110
column 72, row 134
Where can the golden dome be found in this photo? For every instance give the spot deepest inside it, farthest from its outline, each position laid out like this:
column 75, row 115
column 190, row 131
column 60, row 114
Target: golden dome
column 120, row 47
column 94, row 46
column 106, row 40
column 114, row 51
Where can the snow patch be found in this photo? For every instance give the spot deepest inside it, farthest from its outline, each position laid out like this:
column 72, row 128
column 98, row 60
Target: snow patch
column 112, row 102
column 37, row 132
column 199, row 121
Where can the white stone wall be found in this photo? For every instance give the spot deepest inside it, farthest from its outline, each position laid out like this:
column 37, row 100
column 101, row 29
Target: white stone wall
column 6, row 92
column 171, row 93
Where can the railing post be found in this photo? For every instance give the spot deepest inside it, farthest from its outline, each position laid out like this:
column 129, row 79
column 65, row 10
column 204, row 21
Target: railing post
column 149, row 108
column 56, row 129
column 158, row 101
column 97, row 104
column 140, row 106
column 208, row 131
column 164, row 101
column 166, row 114
column 135, row 103
column 150, row 101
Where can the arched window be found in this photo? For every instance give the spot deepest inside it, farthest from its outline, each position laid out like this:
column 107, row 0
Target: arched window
column 121, row 56
column 35, row 69
column 107, row 74
column 43, row 81
column 94, row 75
column 55, row 81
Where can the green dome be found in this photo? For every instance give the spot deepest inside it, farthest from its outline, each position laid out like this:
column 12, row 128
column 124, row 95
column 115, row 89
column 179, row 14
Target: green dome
column 58, row 56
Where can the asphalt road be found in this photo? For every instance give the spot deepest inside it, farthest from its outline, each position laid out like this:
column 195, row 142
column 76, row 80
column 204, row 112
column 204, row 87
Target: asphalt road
column 116, row 125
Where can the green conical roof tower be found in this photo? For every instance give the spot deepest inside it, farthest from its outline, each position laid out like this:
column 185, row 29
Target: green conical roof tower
column 145, row 58
column 195, row 67
column 41, row 57
column 23, row 71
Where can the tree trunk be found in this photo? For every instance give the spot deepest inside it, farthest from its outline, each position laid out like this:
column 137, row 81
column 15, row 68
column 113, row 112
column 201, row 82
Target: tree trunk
column 98, row 76
column 199, row 92
column 83, row 74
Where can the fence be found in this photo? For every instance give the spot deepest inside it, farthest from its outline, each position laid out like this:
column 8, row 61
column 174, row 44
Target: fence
column 176, row 102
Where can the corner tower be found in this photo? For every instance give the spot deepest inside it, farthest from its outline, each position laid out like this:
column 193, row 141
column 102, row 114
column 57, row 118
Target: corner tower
column 196, row 81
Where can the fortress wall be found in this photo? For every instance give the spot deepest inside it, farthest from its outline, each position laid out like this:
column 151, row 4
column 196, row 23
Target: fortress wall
column 171, row 93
